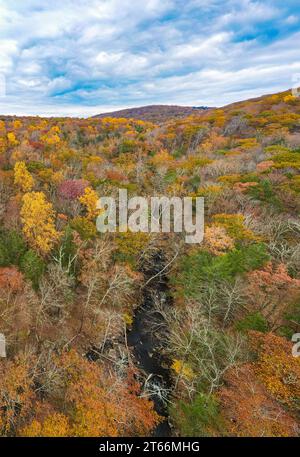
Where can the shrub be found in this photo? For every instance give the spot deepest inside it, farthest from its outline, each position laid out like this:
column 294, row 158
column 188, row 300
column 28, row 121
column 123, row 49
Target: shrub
column 129, row 246
column 277, row 368
column 216, row 240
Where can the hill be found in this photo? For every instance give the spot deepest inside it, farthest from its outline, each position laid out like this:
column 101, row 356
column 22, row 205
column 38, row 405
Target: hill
column 129, row 325
column 155, row 113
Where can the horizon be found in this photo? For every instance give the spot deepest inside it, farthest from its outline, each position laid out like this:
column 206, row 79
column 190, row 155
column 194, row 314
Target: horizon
column 87, row 57
column 140, row 106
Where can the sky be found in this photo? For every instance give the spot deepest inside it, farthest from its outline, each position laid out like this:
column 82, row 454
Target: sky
column 84, row 57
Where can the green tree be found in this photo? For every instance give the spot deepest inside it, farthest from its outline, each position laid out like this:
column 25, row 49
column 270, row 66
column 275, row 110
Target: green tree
column 33, row 266
column 201, row 417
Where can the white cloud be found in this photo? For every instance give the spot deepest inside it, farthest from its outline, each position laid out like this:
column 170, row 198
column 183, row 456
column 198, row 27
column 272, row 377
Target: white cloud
column 84, row 56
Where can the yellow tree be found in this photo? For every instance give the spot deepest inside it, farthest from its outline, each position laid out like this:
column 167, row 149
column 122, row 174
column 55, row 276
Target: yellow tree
column 89, row 199
column 22, row 177
column 12, row 140
column 55, row 424
column 37, row 217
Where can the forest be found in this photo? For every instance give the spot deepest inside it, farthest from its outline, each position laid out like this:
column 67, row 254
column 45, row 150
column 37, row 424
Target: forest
column 141, row 334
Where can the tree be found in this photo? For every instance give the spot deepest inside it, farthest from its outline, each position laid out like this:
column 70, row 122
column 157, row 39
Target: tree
column 33, row 266
column 37, row 217
column 11, row 279
column 12, row 247
column 54, row 425
column 249, row 410
column 12, row 140
column 56, row 293
column 217, row 241
column 208, row 352
column 271, row 290
column 71, row 189
column 234, row 225
column 23, row 178
column 16, row 393
column 276, row 367
column 95, row 404
column 89, row 200
column 200, row 417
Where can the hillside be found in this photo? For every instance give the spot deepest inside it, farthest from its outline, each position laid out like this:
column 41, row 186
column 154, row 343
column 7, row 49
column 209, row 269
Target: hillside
column 170, row 338
column 154, row 113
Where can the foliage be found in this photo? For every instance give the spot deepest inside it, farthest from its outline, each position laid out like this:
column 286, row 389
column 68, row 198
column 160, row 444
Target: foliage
column 131, row 245
column 287, row 160
column 217, row 241
column 271, row 290
column 38, row 222
column 234, row 225
column 277, row 368
column 11, row 279
column 23, row 178
column 12, row 247
column 249, row 411
column 16, row 394
column 254, row 321
column 70, row 295
column 201, row 417
column 55, row 424
column 33, row 266
column 94, row 405
column 202, row 266
column 84, row 227
column 89, row 200
column 72, row 188
column 265, row 193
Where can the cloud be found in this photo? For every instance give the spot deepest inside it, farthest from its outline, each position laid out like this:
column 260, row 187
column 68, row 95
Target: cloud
column 81, row 57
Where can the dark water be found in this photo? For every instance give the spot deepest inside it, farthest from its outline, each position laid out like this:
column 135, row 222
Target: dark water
column 145, row 340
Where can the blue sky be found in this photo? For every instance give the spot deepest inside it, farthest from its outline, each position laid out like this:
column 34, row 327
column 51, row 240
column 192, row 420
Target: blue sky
column 83, row 57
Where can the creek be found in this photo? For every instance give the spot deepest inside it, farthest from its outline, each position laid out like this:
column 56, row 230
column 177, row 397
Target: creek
column 145, row 340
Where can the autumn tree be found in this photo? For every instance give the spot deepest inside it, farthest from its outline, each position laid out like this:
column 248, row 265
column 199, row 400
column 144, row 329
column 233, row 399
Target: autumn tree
column 276, row 368
column 249, row 410
column 16, row 392
column 271, row 290
column 95, row 404
column 89, row 200
column 23, row 178
column 217, row 241
column 37, row 217
column 54, row 425
column 71, row 189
